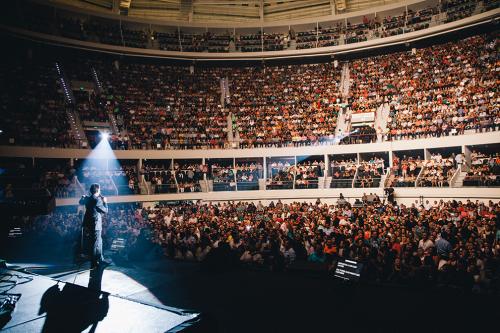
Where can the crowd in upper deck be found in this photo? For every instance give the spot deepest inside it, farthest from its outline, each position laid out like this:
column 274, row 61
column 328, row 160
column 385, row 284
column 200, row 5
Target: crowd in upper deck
column 446, row 89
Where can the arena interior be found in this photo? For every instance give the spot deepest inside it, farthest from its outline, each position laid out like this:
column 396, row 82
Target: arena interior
column 263, row 166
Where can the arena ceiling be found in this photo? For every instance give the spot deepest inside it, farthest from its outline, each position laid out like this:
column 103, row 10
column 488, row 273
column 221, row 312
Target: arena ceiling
column 226, row 10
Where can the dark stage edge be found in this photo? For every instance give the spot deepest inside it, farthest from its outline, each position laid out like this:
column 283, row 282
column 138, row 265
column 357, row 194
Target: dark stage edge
column 48, row 305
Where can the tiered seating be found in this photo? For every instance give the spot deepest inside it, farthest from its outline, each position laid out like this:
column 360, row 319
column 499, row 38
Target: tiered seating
column 135, row 38
column 307, row 174
column 343, row 173
column 249, row 43
column 406, row 171
column 165, row 106
column 286, row 105
column 168, row 41
column 33, row 111
column 125, row 179
column 42, row 19
column 484, row 170
column 248, row 175
column 433, row 92
column 160, row 176
column 438, row 171
column 370, row 173
column 188, row 176
column 281, row 174
column 87, row 175
column 223, row 177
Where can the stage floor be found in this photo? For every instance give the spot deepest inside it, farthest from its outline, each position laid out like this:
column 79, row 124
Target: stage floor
column 242, row 300
column 47, row 305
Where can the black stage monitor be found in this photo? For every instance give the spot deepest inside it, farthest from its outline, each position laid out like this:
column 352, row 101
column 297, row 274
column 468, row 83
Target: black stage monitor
column 348, row 270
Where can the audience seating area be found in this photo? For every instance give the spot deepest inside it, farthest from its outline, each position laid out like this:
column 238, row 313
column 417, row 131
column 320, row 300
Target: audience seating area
column 444, row 243
column 484, row 170
column 172, row 38
column 33, row 108
column 447, row 89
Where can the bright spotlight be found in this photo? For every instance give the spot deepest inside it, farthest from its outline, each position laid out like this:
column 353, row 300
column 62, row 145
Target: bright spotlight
column 104, row 135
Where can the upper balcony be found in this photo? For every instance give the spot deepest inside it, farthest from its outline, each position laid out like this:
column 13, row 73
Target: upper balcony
column 213, row 35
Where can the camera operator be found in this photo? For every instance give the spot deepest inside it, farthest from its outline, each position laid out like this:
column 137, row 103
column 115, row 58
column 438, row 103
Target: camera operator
column 389, row 192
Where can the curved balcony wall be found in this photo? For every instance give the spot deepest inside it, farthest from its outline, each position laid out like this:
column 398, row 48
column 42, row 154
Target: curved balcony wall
column 407, row 195
column 363, row 30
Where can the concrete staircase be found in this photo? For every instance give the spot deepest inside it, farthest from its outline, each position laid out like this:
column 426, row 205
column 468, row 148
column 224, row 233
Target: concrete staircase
column 65, row 84
column 459, row 180
column 113, row 123
column 383, row 178
column 204, row 185
column 341, row 123
column 381, row 119
column 345, row 81
column 345, row 115
column 232, row 46
column 389, row 179
column 144, row 186
column 76, row 128
column 324, row 182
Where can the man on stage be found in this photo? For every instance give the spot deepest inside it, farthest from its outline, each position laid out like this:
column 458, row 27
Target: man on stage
column 95, row 205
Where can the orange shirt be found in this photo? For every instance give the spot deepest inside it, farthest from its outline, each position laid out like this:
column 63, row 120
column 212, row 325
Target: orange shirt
column 330, row 250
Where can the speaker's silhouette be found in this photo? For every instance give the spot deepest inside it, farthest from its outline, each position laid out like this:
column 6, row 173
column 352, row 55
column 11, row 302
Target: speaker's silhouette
column 74, row 308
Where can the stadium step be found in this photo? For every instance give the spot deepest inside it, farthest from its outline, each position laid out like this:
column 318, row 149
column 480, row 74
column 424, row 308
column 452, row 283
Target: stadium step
column 97, row 82
column 65, row 85
column 459, row 181
column 389, row 179
column 381, row 119
column 345, row 81
column 324, row 182
column 76, row 128
column 113, row 123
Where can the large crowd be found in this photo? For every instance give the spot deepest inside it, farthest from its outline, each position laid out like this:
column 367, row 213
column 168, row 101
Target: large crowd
column 404, row 171
column 438, row 91
column 33, row 111
column 455, row 243
column 438, row 171
column 342, row 173
column 352, row 30
column 285, row 105
column 484, row 170
column 446, row 89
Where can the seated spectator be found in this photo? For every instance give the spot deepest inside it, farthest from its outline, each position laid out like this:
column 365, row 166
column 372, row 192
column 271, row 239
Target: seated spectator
column 307, row 174
column 405, row 171
column 438, row 171
column 281, row 175
column 343, row 173
column 370, row 173
column 248, row 175
column 484, row 170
